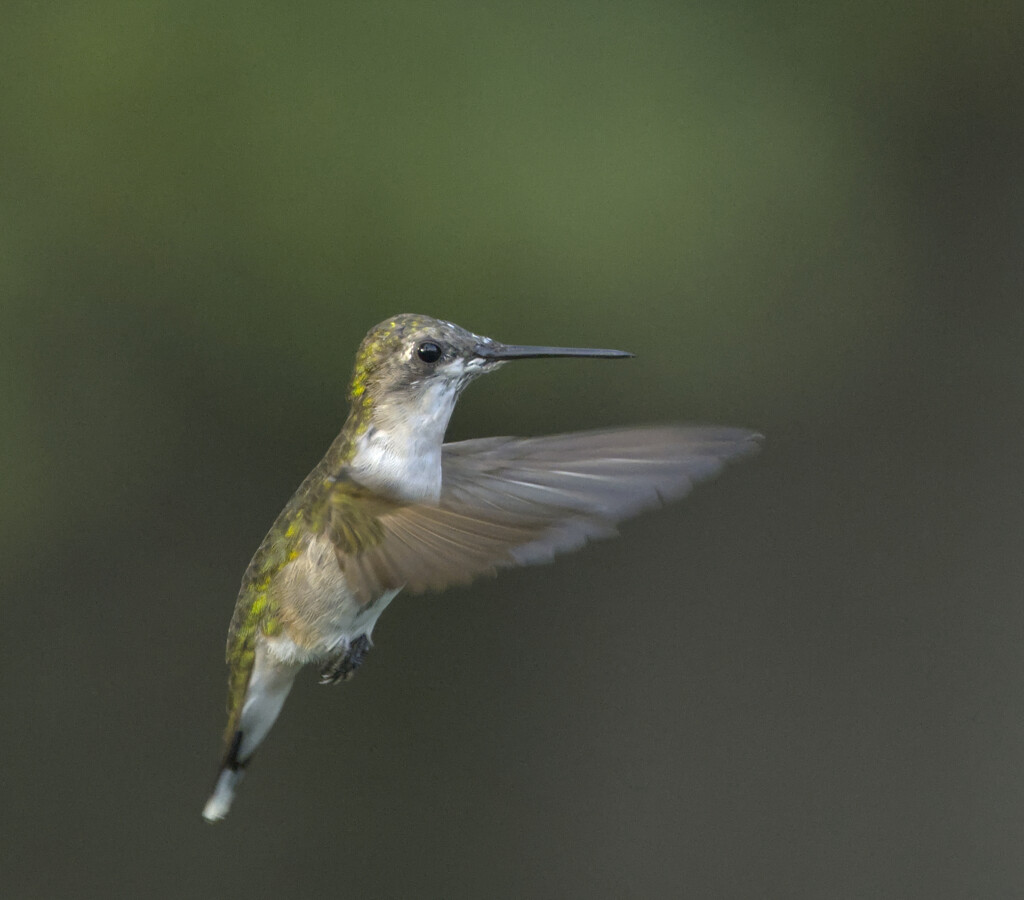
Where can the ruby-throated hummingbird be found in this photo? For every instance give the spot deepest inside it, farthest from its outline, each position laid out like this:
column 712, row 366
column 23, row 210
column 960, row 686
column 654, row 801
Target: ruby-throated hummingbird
column 391, row 506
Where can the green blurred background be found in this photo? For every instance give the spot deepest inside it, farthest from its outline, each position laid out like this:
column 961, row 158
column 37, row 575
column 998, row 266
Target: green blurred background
column 807, row 218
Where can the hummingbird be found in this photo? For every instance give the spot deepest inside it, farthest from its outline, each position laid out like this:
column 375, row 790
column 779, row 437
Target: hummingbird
column 391, row 507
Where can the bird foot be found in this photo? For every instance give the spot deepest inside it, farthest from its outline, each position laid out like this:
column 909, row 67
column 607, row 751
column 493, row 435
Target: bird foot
column 344, row 665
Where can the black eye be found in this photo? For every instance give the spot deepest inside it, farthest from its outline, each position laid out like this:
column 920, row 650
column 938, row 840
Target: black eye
column 429, row 352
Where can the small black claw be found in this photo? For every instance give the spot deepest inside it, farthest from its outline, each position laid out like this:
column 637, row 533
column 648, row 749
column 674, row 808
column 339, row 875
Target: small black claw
column 344, row 665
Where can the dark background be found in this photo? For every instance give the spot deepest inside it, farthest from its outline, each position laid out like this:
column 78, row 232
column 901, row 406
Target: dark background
column 806, row 681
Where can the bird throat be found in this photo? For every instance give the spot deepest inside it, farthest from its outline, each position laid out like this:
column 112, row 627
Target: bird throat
column 396, row 447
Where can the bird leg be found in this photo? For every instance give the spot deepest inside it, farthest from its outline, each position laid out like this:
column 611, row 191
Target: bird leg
column 343, row 666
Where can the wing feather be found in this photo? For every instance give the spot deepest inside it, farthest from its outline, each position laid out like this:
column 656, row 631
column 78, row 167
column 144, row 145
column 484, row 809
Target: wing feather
column 519, row 501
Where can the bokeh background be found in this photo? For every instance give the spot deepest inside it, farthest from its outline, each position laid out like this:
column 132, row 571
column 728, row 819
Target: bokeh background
column 806, row 681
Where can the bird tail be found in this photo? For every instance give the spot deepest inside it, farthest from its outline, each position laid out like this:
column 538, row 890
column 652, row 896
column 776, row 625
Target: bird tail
column 223, row 795
column 266, row 687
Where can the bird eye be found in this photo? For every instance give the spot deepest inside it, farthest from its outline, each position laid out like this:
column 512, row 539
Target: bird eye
column 429, row 352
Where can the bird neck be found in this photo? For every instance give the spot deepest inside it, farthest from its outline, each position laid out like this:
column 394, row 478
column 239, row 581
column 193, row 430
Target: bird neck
column 395, row 447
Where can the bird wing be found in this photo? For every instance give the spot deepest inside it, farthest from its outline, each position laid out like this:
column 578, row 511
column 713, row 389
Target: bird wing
column 518, row 501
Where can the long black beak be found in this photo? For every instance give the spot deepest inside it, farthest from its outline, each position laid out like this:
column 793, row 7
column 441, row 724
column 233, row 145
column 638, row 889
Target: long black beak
column 492, row 350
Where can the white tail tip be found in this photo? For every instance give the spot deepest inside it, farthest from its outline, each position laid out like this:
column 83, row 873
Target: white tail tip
column 219, row 804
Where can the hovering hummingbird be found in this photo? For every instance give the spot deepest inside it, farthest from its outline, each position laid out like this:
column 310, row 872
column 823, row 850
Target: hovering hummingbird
column 390, row 506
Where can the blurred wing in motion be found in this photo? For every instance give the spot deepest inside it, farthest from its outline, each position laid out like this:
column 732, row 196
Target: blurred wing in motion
column 518, row 501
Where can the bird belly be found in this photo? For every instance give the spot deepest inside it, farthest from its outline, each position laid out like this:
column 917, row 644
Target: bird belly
column 319, row 614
